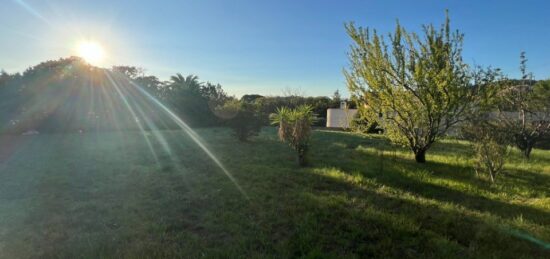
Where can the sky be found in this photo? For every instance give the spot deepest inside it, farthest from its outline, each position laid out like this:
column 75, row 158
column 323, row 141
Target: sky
column 257, row 46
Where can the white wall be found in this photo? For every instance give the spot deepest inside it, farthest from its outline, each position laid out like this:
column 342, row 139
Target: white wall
column 340, row 118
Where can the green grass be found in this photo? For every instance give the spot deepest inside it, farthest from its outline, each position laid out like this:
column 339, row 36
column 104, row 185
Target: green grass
column 104, row 196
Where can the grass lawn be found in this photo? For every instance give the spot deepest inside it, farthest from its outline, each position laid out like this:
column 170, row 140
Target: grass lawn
column 105, row 195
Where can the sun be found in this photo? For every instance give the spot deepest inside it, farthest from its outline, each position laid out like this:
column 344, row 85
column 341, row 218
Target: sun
column 91, row 51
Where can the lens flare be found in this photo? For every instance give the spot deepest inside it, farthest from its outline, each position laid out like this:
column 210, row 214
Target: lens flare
column 181, row 124
column 91, row 51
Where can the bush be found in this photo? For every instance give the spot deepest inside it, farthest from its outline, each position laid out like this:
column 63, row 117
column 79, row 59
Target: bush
column 242, row 117
column 361, row 124
column 489, row 157
column 489, row 146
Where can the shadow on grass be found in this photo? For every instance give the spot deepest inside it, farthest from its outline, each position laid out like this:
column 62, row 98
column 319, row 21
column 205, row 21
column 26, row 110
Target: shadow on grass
column 433, row 225
column 130, row 208
column 392, row 173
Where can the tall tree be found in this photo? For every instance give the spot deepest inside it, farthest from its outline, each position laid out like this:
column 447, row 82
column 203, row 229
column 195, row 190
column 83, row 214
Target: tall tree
column 194, row 101
column 417, row 87
column 336, row 98
column 130, row 71
column 188, row 83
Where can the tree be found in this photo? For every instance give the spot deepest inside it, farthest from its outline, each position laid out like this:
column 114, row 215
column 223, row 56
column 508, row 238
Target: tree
column 151, row 84
column 416, row 88
column 129, row 71
column 295, row 128
column 489, row 143
column 524, row 109
column 188, row 83
column 4, row 77
column 489, row 156
column 336, row 98
column 250, row 97
column 242, row 117
column 194, row 101
column 214, row 94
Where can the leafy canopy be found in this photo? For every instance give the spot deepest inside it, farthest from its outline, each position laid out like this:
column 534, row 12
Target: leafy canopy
column 416, row 87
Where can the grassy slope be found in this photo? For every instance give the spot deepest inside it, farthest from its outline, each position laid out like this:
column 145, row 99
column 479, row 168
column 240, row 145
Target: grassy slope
column 104, row 195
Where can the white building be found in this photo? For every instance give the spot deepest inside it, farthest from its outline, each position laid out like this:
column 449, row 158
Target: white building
column 340, row 117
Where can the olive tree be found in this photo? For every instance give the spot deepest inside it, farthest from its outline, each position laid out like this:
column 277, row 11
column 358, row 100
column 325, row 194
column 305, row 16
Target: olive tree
column 416, row 86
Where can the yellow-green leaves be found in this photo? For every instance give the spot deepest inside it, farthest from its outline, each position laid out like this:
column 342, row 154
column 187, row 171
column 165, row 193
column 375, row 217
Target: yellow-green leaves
column 418, row 83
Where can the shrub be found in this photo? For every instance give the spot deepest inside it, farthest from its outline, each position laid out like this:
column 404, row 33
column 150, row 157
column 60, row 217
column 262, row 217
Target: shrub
column 490, row 147
column 295, row 128
column 362, row 125
column 242, row 117
column 489, row 157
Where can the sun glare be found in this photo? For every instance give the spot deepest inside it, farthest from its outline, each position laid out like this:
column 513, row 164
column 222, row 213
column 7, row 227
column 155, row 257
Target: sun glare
column 92, row 52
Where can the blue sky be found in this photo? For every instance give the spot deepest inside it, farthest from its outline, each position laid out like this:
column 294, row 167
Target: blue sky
column 255, row 46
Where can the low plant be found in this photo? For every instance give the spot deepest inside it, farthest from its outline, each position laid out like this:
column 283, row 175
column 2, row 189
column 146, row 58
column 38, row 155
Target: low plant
column 360, row 124
column 489, row 145
column 490, row 157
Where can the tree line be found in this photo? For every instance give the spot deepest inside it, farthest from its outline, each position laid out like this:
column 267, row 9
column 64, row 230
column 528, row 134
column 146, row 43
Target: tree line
column 69, row 95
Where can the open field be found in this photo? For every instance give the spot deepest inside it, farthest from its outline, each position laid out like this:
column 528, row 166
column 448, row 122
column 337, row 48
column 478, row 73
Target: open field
column 104, row 195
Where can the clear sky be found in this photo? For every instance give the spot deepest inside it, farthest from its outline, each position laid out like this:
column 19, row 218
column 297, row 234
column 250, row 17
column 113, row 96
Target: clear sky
column 257, row 46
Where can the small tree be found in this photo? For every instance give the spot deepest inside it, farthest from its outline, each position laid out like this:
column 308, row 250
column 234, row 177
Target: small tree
column 524, row 110
column 419, row 84
column 242, row 117
column 295, row 128
column 490, row 156
column 489, row 143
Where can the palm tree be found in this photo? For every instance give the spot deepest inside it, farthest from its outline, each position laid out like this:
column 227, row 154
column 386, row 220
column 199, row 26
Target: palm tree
column 190, row 82
column 295, row 128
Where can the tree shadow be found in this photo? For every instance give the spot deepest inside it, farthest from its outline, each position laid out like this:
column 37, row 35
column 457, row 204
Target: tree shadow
column 537, row 182
column 370, row 224
column 390, row 172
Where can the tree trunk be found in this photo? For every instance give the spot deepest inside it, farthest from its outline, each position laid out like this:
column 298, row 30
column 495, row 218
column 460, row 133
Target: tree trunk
column 420, row 156
column 302, row 158
column 527, row 151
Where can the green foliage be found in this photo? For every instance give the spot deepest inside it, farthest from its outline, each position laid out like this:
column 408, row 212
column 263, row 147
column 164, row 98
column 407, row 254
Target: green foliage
column 320, row 104
column 295, row 128
column 490, row 145
column 361, row 124
column 249, row 98
column 69, row 95
column 524, row 109
column 418, row 83
column 336, row 98
column 490, row 156
column 194, row 101
column 242, row 117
